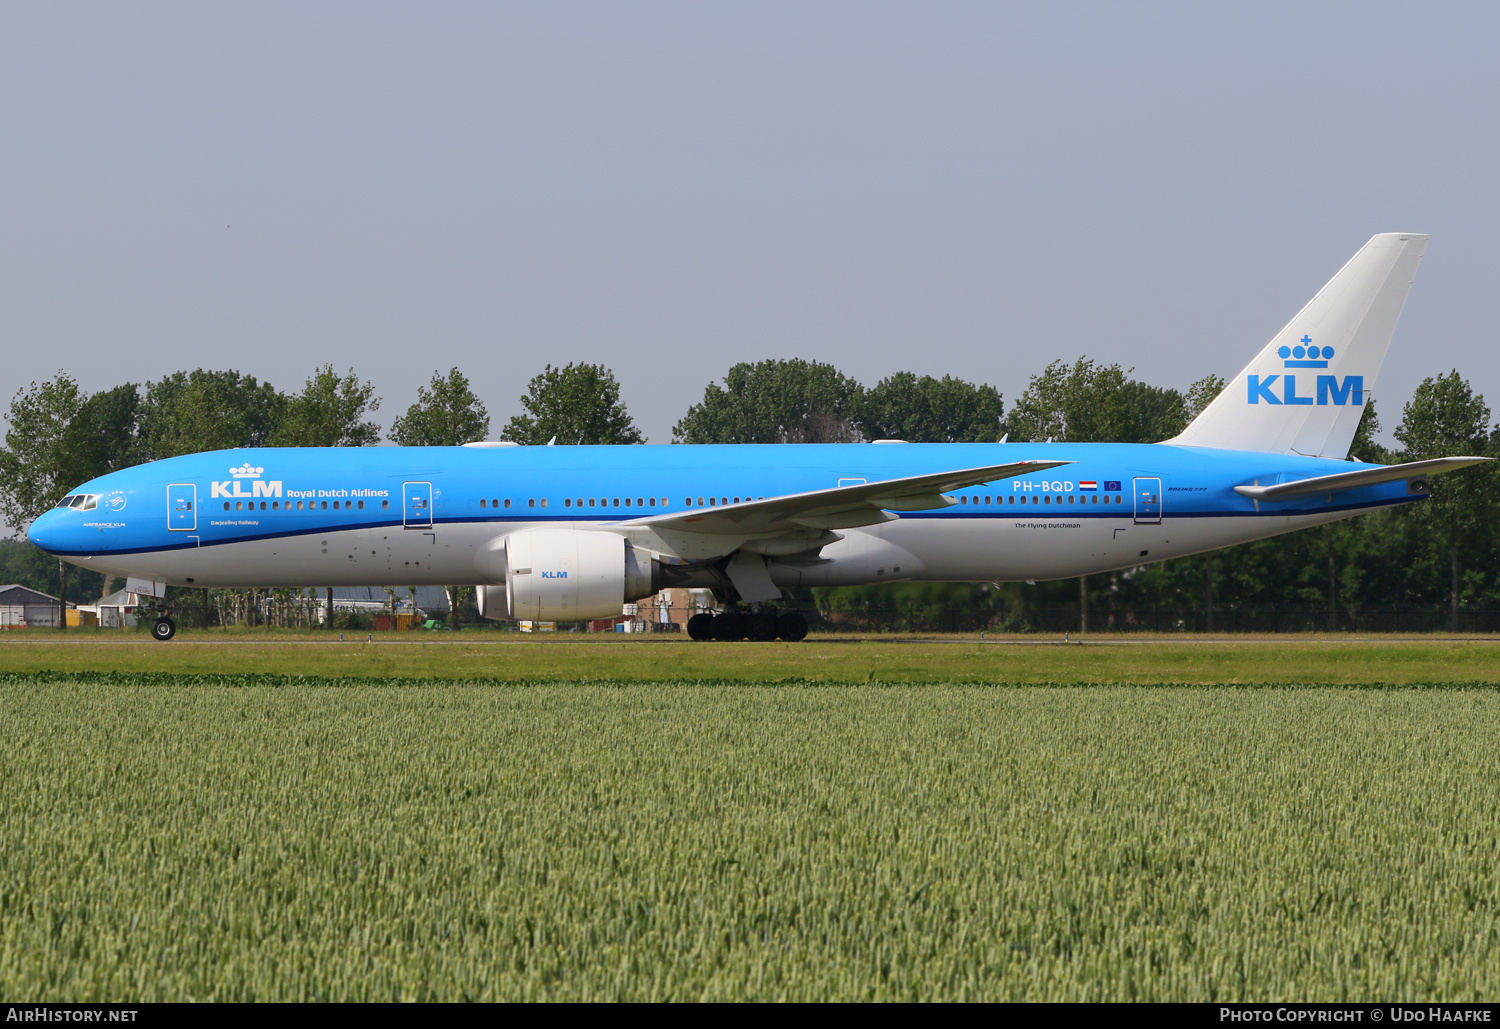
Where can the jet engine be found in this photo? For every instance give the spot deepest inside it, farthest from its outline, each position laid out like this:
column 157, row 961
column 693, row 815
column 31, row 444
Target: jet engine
column 563, row 575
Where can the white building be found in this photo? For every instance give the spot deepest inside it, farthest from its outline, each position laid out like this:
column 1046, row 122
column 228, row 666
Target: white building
column 117, row 611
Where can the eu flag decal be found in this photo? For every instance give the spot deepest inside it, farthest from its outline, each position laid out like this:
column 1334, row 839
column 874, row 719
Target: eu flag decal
column 1112, row 486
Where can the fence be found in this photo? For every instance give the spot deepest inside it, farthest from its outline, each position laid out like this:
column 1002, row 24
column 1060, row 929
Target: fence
column 1065, row 618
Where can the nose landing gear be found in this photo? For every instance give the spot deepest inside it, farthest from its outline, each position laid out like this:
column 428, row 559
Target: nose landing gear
column 163, row 629
column 760, row 626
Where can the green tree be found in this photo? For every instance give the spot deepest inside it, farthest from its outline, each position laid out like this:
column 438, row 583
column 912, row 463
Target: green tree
column 35, row 471
column 103, row 436
column 446, row 414
column 1093, row 403
column 793, row 401
column 1198, row 396
column 577, row 404
column 928, row 410
column 22, row 563
column 328, row 413
column 1446, row 418
column 1364, row 446
column 192, row 412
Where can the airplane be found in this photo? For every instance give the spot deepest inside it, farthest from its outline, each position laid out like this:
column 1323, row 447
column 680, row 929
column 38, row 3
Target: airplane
column 567, row 533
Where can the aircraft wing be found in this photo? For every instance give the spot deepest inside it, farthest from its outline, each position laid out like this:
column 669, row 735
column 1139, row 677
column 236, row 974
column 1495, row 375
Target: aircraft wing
column 842, row 507
column 1360, row 477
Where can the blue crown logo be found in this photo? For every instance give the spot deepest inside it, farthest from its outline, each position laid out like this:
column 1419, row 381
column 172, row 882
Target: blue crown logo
column 1305, row 355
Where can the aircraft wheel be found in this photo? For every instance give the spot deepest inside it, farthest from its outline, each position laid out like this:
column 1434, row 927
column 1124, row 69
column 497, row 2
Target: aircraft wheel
column 791, row 627
column 730, row 627
column 762, row 627
column 701, row 626
column 163, row 629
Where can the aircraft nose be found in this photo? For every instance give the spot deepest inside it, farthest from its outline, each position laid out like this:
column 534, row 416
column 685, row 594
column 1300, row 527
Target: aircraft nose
column 43, row 531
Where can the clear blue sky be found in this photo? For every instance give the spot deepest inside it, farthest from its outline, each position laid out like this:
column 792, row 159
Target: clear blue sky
column 972, row 189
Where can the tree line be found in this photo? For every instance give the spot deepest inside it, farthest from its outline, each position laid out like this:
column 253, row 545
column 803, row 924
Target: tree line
column 1438, row 555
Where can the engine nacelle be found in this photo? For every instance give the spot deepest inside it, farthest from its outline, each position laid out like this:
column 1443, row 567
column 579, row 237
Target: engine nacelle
column 563, row 575
column 493, row 603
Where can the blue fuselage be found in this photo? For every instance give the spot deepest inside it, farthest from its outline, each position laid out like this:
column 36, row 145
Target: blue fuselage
column 434, row 504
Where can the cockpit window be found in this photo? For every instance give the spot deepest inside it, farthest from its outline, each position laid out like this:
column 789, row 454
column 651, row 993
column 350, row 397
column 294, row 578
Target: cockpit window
column 65, row 502
column 78, row 501
column 90, row 502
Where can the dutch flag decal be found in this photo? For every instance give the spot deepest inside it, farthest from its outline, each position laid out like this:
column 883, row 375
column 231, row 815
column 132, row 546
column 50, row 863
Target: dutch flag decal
column 1089, row 485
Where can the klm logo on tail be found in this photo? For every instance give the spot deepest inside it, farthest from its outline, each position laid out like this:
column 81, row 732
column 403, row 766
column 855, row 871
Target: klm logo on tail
column 1328, row 390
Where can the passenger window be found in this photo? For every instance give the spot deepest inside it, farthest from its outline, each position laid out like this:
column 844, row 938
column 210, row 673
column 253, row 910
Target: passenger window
column 262, row 505
column 239, row 505
column 383, row 504
column 481, row 502
column 963, row 500
column 507, row 501
column 226, row 505
column 711, row 502
column 544, row 501
column 723, row 500
column 653, row 501
column 531, row 502
column 591, row 501
column 361, row 505
column 567, row 502
column 639, row 502
column 325, row 505
column 627, row 501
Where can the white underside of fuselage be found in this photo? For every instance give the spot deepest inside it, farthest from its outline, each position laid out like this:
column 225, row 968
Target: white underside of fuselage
column 944, row 549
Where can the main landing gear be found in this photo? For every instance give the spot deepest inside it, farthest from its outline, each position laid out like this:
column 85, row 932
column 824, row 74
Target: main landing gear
column 760, row 626
column 163, row 629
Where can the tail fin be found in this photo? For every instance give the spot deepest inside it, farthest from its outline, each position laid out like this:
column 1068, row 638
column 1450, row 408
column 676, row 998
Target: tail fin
column 1304, row 393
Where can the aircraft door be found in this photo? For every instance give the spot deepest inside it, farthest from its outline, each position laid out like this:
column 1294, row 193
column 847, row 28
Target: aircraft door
column 416, row 505
column 1148, row 501
column 182, row 507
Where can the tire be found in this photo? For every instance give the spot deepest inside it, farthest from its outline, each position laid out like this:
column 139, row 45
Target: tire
column 701, row 626
column 163, row 629
column 730, row 627
column 791, row 627
column 763, row 626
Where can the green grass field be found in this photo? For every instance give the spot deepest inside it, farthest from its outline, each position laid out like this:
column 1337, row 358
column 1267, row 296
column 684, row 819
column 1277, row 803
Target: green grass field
column 490, row 655
column 172, row 832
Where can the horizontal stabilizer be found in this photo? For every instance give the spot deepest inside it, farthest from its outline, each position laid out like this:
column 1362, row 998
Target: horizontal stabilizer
column 1353, row 480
